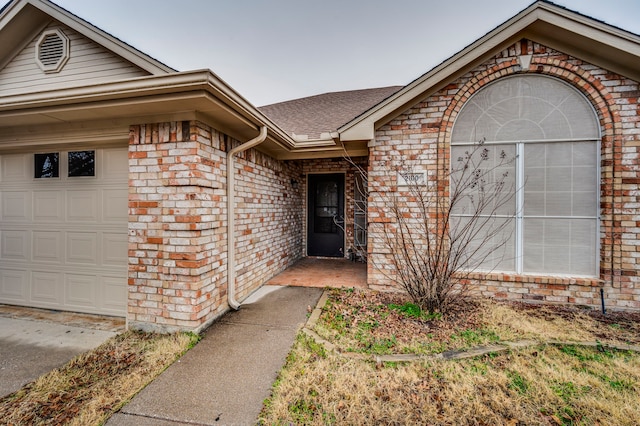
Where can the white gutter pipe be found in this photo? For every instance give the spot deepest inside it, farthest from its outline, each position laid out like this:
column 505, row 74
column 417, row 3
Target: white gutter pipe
column 231, row 249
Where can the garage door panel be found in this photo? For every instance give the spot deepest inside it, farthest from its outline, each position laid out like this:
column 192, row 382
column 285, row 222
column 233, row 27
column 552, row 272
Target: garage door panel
column 16, row 206
column 47, row 246
column 115, row 165
column 13, row 285
column 47, row 288
column 114, row 249
column 82, row 206
column 114, row 294
column 48, row 206
column 82, row 247
column 115, row 201
column 15, row 168
column 64, row 241
column 80, row 290
column 14, row 245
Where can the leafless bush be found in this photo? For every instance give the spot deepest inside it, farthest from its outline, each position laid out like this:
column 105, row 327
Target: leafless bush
column 445, row 226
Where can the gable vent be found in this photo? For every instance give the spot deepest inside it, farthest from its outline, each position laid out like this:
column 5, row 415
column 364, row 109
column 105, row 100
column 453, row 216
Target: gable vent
column 52, row 50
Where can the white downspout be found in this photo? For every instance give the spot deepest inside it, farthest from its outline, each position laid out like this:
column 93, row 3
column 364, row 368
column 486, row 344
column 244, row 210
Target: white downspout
column 231, row 250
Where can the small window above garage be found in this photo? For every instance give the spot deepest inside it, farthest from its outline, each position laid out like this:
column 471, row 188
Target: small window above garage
column 46, row 165
column 52, row 50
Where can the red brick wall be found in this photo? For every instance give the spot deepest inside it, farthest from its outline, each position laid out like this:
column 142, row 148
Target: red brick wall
column 421, row 135
column 269, row 218
column 177, row 224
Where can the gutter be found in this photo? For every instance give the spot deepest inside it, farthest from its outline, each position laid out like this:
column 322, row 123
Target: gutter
column 231, row 254
column 178, row 86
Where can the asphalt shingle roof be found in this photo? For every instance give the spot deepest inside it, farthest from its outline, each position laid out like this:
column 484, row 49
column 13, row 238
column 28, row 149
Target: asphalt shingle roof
column 324, row 113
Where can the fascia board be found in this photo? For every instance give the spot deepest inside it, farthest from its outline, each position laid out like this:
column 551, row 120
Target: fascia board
column 137, row 89
column 314, row 143
column 606, row 33
column 140, row 86
column 614, row 37
column 335, row 152
column 9, row 12
column 13, row 41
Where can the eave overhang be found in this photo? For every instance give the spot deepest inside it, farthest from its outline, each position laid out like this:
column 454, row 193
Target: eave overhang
column 558, row 28
column 194, row 95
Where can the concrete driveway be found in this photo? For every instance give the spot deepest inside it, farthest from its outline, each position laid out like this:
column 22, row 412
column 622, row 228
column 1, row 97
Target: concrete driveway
column 31, row 345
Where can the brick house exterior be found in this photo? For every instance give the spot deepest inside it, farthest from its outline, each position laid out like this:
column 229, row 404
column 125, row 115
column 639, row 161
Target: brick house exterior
column 423, row 131
column 158, row 249
column 413, row 130
column 177, row 235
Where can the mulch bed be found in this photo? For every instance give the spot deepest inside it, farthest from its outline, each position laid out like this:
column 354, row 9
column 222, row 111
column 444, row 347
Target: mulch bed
column 358, row 307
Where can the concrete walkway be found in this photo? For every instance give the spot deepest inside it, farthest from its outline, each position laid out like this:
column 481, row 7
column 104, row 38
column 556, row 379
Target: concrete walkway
column 226, row 377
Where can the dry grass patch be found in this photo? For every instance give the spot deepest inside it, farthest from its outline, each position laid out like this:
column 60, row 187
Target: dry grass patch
column 544, row 385
column 540, row 385
column 94, row 385
column 544, row 322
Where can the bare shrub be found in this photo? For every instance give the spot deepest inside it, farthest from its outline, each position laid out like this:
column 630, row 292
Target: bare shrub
column 447, row 225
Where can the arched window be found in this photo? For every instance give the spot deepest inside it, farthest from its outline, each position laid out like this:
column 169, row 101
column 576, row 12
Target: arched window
column 552, row 132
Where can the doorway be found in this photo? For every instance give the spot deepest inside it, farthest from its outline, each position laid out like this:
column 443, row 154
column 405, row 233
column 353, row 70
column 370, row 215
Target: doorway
column 325, row 225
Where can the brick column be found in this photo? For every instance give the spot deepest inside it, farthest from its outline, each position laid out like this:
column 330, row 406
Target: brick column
column 176, row 226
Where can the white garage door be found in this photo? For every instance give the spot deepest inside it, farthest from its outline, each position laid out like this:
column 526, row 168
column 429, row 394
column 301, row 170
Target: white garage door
column 63, row 230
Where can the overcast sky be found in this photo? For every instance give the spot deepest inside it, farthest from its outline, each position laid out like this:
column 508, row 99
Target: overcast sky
column 275, row 50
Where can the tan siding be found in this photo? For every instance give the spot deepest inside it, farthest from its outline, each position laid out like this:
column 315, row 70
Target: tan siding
column 88, row 63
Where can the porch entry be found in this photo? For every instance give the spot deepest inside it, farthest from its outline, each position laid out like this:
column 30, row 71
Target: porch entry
column 325, row 225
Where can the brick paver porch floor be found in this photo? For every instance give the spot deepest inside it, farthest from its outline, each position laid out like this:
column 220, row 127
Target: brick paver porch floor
column 323, row 272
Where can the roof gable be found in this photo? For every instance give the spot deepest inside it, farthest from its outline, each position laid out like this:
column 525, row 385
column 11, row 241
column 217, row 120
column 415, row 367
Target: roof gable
column 543, row 22
column 105, row 109
column 87, row 63
column 22, row 20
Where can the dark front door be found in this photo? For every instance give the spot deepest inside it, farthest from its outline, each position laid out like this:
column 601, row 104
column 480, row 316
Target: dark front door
column 326, row 209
